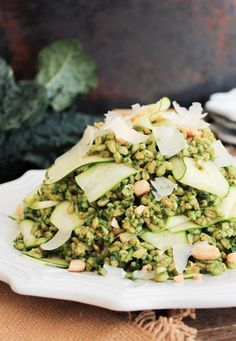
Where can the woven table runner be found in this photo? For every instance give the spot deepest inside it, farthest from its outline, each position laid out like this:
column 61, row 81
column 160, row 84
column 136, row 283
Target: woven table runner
column 33, row 318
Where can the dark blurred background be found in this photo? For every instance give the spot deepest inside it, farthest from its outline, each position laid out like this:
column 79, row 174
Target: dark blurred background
column 144, row 49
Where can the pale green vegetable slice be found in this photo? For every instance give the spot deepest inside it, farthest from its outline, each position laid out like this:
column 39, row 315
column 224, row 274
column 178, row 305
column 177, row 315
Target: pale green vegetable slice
column 38, row 205
column 208, row 179
column 188, row 225
column 232, row 214
column 26, row 230
column 65, row 222
column 55, row 261
column 164, row 240
column 145, row 120
column 226, row 208
column 180, row 223
column 71, row 162
column 165, row 103
column 162, row 105
column 50, row 261
column 99, row 179
column 142, row 121
column 176, row 220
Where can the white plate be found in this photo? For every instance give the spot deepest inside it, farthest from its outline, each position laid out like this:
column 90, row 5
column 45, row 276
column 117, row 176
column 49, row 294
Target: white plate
column 223, row 134
column 224, row 123
column 223, row 104
column 29, row 277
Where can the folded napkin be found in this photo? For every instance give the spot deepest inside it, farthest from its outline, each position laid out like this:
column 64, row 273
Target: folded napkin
column 26, row 318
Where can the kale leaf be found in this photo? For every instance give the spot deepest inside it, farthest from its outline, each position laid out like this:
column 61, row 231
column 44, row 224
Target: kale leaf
column 32, row 133
column 66, row 71
column 6, row 78
column 26, row 102
column 38, row 145
column 19, row 101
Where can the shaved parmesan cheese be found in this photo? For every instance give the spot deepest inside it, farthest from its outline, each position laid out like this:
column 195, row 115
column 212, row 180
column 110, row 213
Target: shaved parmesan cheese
column 163, row 187
column 113, row 272
column 82, row 147
column 169, row 140
column 192, row 118
column 123, row 131
column 87, row 140
column 114, row 223
column 60, row 238
column 222, row 156
column 181, row 253
column 136, row 107
column 112, row 115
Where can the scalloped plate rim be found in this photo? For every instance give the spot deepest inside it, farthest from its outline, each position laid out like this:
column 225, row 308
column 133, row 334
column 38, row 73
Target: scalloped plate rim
column 28, row 277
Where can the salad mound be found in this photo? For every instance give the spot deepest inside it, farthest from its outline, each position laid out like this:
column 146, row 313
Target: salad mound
column 149, row 193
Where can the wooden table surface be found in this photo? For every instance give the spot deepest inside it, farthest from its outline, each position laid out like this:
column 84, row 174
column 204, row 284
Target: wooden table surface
column 23, row 316
column 215, row 324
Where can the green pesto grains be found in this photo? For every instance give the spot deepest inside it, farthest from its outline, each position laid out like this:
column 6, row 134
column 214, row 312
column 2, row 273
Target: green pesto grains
column 101, row 240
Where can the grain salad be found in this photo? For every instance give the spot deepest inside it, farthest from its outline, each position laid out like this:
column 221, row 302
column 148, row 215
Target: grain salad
column 149, row 193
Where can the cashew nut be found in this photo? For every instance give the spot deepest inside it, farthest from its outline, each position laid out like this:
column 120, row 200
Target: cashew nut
column 141, row 187
column 146, row 268
column 179, row 279
column 139, row 210
column 76, row 265
column 204, row 251
column 231, row 257
column 19, row 210
column 125, row 237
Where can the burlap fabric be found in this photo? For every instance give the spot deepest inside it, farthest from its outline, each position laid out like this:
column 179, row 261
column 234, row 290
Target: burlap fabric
column 25, row 318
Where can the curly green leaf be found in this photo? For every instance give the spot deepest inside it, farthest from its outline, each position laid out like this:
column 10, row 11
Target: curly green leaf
column 66, row 71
